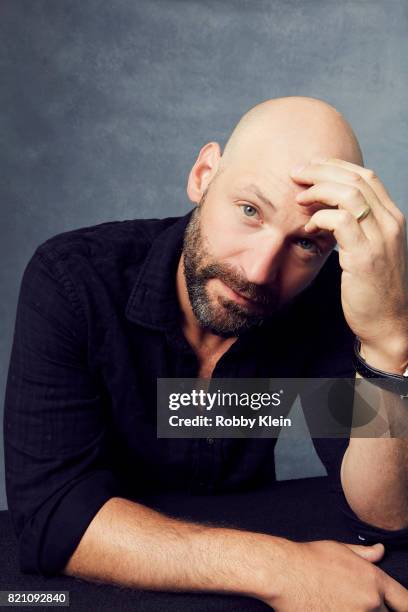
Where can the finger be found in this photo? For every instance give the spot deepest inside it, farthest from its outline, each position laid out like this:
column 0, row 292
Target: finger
column 395, row 595
column 325, row 172
column 342, row 196
column 371, row 179
column 368, row 175
column 372, row 553
column 342, row 223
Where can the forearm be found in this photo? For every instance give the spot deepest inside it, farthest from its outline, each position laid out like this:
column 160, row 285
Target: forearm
column 135, row 546
column 374, row 477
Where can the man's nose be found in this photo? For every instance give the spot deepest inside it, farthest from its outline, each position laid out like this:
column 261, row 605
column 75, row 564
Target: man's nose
column 263, row 259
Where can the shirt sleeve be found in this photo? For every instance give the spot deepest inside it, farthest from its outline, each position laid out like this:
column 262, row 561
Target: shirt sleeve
column 57, row 466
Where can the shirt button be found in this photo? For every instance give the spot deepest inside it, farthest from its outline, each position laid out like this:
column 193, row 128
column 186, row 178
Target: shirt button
column 210, row 441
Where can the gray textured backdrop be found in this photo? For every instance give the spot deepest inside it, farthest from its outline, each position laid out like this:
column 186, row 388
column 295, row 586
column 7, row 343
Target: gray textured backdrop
column 105, row 104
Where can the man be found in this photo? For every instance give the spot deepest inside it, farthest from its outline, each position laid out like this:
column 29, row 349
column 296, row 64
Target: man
column 246, row 286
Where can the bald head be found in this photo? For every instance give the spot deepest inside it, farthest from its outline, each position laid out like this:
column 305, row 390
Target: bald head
column 290, row 131
column 247, row 236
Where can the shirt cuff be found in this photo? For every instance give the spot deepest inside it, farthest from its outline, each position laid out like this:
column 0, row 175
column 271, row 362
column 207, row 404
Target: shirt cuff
column 51, row 536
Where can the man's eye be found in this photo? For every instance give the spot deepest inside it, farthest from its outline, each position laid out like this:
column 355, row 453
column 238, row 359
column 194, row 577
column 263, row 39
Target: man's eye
column 248, row 210
column 308, row 245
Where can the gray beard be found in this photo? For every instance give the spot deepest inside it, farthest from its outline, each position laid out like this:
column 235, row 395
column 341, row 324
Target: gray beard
column 227, row 318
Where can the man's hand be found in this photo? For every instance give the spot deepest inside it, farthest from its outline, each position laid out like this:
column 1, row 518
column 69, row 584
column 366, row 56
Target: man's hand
column 326, row 576
column 372, row 253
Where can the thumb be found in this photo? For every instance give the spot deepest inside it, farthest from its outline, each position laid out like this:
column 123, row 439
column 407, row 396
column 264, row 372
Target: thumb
column 372, row 553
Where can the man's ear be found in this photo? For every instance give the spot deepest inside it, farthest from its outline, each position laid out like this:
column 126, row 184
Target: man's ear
column 203, row 171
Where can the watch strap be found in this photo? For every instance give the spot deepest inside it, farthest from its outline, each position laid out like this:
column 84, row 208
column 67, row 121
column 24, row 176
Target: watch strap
column 396, row 383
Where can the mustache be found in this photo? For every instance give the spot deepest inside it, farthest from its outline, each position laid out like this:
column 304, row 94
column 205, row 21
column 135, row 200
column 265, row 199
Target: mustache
column 264, row 296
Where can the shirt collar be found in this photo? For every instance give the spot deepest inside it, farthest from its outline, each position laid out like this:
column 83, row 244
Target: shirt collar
column 153, row 302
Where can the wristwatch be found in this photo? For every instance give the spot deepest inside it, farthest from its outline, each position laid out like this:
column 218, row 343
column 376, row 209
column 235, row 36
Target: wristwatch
column 396, row 383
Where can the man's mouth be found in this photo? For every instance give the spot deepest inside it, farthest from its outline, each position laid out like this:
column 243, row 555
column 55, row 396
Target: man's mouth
column 239, row 297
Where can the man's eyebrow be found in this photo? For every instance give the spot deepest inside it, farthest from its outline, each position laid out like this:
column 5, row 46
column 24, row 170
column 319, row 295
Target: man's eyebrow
column 324, row 234
column 254, row 189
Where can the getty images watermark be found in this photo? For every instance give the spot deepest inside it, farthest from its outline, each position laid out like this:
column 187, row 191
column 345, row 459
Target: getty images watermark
column 218, row 400
column 260, row 408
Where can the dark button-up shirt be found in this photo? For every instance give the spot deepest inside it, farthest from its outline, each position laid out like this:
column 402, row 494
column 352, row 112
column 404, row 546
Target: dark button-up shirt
column 98, row 322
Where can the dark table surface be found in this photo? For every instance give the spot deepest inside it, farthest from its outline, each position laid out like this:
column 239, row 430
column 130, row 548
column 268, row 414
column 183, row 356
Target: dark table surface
column 280, row 510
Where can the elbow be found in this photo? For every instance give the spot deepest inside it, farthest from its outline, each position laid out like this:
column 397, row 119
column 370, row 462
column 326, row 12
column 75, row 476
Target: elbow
column 390, row 524
column 387, row 519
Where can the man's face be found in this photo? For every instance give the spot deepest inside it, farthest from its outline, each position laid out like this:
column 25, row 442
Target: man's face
column 246, row 253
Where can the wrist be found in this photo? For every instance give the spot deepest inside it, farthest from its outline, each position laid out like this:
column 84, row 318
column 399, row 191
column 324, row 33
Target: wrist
column 273, row 559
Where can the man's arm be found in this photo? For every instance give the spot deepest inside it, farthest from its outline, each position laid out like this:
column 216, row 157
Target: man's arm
column 375, row 481
column 374, row 469
column 129, row 544
column 370, row 231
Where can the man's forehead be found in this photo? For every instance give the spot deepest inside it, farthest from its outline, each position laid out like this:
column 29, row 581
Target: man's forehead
column 272, row 184
column 271, row 187
column 275, row 190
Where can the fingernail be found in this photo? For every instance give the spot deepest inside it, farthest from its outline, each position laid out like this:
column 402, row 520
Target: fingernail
column 319, row 160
